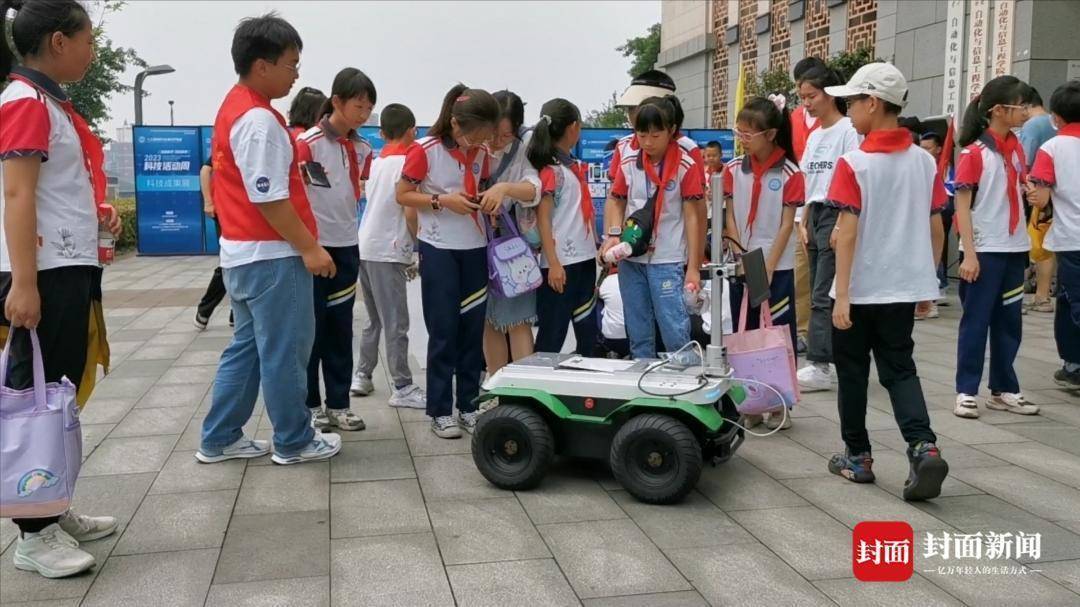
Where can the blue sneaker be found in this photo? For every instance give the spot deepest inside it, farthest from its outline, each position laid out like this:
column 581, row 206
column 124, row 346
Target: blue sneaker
column 244, row 448
column 856, row 468
column 323, row 446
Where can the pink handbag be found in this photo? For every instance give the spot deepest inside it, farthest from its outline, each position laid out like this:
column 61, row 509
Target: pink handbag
column 764, row 355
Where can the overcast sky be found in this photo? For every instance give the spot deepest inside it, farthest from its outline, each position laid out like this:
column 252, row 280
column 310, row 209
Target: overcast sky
column 413, row 51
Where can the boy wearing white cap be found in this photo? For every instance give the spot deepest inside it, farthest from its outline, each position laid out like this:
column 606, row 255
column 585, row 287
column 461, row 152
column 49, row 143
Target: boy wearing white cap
column 885, row 243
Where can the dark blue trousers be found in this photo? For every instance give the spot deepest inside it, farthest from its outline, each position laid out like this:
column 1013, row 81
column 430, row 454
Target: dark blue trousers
column 781, row 303
column 453, row 286
column 576, row 304
column 992, row 305
column 1067, row 316
column 332, row 349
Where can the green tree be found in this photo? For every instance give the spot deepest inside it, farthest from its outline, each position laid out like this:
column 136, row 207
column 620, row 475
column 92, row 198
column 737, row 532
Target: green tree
column 772, row 80
column 848, row 62
column 91, row 95
column 644, row 50
column 609, row 116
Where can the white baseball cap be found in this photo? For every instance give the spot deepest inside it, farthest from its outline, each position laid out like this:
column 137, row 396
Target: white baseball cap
column 652, row 83
column 881, row 80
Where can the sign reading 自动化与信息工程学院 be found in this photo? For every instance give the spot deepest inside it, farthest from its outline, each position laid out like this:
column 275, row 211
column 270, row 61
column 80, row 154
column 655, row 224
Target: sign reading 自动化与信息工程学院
column 954, row 58
column 978, row 28
column 1004, row 18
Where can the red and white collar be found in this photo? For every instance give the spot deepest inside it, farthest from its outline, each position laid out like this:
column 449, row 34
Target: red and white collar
column 887, row 141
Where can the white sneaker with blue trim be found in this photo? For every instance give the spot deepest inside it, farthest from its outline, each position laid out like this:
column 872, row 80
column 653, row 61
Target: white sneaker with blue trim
column 323, row 446
column 243, row 448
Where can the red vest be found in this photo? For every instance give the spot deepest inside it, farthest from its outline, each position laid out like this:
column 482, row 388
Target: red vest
column 240, row 218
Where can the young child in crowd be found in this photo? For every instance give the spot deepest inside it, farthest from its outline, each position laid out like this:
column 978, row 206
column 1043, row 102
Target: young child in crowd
column 305, row 110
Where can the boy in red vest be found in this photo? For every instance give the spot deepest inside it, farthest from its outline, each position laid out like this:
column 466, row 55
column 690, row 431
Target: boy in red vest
column 269, row 251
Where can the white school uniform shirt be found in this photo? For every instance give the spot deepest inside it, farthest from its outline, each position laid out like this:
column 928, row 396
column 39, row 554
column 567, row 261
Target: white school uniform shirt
column 981, row 168
column 669, row 234
column 1057, row 166
column 384, row 235
column 436, row 169
column 519, row 169
column 335, row 207
column 627, row 144
column 612, row 321
column 824, row 147
column 781, row 186
column 33, row 123
column 892, row 185
column 573, row 230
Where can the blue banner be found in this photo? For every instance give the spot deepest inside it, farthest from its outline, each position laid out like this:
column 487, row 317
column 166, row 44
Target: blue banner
column 168, row 203
column 210, row 234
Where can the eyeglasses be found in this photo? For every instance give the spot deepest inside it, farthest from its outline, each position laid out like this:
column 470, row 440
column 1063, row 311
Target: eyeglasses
column 747, row 135
column 1022, row 106
column 294, row 68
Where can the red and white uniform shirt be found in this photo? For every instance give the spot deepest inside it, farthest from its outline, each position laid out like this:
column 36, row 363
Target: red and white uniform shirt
column 994, row 169
column 1057, row 165
column 346, row 159
column 632, row 184
column 629, row 143
column 573, row 219
column 384, row 235
column 438, row 168
column 892, row 185
column 33, row 122
column 759, row 193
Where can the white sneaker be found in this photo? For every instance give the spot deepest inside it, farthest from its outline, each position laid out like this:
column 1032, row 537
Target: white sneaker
column 345, row 419
column 445, row 426
column 1013, row 403
column 319, row 420
column 243, row 448
column 468, row 420
column 409, row 397
column 87, row 528
column 777, row 419
column 933, row 311
column 966, row 406
column 361, row 386
column 201, row 321
column 749, row 421
column 814, row 379
column 52, row 553
column 323, row 446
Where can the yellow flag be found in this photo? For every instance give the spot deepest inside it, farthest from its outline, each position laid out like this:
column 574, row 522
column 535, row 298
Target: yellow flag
column 740, row 99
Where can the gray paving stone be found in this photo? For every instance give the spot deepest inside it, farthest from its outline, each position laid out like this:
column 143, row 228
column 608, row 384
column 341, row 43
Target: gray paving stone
column 157, row 352
column 1053, row 463
column 1051, row 433
column 390, row 570
column 182, row 473
column 806, row 538
column 382, row 424
column 392, row 507
column 1036, row 494
column 1068, row 413
column 272, row 489
column 988, row 589
column 767, row 581
column 956, row 453
column 178, row 521
column 105, row 410
column 170, row 578
column 180, row 395
column 275, row 546
column 203, row 375
column 972, row 431
column 665, row 599
column 915, row 592
column 486, row 530
column 136, row 367
column 92, row 435
column 567, row 499
column 8, row 533
column 694, row 523
column 56, row 603
column 610, row 558
column 852, row 503
column 1066, row 573
column 422, row 441
column 537, row 583
column 153, row 422
column 738, row 485
column 191, row 358
column 891, row 469
column 207, row 342
column 782, row 458
column 129, row 455
column 307, row 591
column 448, row 477
column 371, row 461
column 123, row 387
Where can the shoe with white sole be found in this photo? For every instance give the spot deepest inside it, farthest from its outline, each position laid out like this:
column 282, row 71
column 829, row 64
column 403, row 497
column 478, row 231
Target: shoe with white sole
column 243, row 448
column 966, row 407
column 361, row 386
column 749, row 421
column 323, row 446
column 201, row 321
column 777, row 419
column 52, row 553
column 813, row 378
column 409, row 397
column 467, row 420
column 345, row 419
column 1013, row 403
column 319, row 420
column 445, row 426
column 87, row 528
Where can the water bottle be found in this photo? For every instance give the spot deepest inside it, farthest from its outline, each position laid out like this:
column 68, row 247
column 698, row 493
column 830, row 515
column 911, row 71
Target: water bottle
column 617, row 253
column 106, row 240
column 693, row 298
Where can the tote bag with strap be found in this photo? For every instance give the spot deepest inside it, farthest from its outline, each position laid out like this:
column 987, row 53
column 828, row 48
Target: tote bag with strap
column 763, row 355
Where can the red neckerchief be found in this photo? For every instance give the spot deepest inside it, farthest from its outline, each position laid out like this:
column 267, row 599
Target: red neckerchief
column 394, row 149
column 1072, row 129
column 93, row 153
column 471, row 187
column 588, row 214
column 672, row 156
column 887, row 141
column 755, row 192
column 350, row 150
column 1007, row 148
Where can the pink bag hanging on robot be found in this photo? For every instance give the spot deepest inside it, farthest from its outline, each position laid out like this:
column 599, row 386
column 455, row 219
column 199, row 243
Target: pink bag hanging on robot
column 764, row 355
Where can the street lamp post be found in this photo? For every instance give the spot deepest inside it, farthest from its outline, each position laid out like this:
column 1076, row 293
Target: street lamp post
column 172, row 122
column 150, row 71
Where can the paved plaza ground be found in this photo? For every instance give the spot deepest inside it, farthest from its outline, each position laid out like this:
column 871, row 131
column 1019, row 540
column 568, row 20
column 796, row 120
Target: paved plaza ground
column 401, row 517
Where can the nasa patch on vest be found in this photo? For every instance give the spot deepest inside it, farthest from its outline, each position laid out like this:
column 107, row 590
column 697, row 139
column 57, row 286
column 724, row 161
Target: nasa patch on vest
column 476, row 168
column 774, row 184
column 671, row 185
column 262, row 184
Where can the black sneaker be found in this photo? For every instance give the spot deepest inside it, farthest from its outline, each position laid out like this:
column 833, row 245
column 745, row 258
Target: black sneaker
column 201, row 321
column 232, row 321
column 928, row 471
column 1067, row 379
column 856, row 468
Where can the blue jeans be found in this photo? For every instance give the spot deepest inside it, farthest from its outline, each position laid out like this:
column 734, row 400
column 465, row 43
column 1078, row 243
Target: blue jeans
column 1067, row 316
column 653, row 295
column 275, row 329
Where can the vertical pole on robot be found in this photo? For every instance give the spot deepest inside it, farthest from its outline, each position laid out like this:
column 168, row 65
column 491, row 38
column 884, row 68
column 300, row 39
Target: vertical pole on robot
column 716, row 364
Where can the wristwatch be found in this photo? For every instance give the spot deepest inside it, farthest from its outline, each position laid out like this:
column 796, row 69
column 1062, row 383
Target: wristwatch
column 435, row 206
column 614, row 232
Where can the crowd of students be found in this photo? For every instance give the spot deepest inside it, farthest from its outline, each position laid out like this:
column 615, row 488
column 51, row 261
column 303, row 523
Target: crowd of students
column 846, row 206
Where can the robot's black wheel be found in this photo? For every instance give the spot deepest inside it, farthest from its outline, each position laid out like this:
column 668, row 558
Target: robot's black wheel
column 656, row 458
column 512, row 447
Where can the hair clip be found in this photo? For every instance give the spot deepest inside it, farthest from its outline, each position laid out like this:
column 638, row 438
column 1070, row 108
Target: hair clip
column 779, row 101
column 461, row 98
column 545, row 118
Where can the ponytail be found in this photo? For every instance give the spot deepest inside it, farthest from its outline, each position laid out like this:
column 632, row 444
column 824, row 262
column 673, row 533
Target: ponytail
column 556, row 116
column 677, row 114
column 470, row 107
column 770, row 113
column 1003, row 90
column 34, row 22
